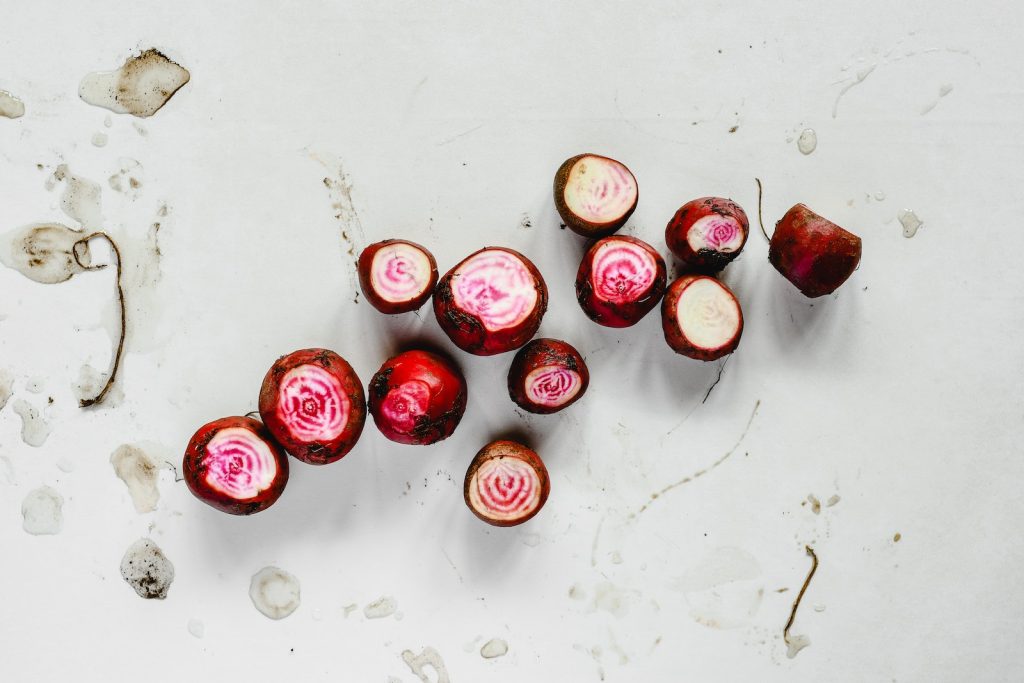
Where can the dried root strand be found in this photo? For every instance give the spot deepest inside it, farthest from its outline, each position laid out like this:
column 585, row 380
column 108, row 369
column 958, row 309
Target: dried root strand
column 116, row 361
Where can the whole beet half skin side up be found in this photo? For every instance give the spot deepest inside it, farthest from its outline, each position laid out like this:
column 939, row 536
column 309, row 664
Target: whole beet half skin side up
column 701, row 318
column 707, row 233
column 313, row 404
column 812, row 252
column 595, row 195
column 546, row 376
column 235, row 466
column 418, row 398
column 621, row 279
column 506, row 484
column 491, row 302
column 397, row 276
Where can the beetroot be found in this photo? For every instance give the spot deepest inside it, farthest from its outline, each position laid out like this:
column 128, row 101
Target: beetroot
column 417, row 397
column 620, row 280
column 707, row 233
column 234, row 465
column 397, row 276
column 701, row 318
column 492, row 302
column 546, row 376
column 506, row 484
column 313, row 403
column 595, row 195
column 812, row 252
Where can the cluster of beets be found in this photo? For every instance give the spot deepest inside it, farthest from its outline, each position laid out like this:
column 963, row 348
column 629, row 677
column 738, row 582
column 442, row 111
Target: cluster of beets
column 312, row 402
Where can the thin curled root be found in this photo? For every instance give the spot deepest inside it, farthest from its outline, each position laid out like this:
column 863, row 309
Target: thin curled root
column 760, row 191
column 800, row 595
column 84, row 242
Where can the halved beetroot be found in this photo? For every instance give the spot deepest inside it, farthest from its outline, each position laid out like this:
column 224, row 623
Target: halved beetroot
column 491, row 302
column 313, row 403
column 595, row 195
column 812, row 252
column 234, row 465
column 701, row 318
column 620, row 280
column 707, row 233
column 418, row 398
column 506, row 484
column 546, row 376
column 397, row 276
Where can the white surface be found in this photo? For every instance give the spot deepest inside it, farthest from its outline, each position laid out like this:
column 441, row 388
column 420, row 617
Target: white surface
column 902, row 395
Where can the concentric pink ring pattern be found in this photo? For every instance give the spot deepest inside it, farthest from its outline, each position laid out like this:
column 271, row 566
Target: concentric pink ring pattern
column 405, row 403
column 312, row 404
column 552, row 385
column 622, row 272
column 399, row 272
column 497, row 288
column 507, row 487
column 239, row 463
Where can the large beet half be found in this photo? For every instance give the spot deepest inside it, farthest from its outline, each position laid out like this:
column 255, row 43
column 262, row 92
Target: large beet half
column 701, row 318
column 812, row 252
column 620, row 280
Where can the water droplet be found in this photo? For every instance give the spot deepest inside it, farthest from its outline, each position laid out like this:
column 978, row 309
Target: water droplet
column 807, row 142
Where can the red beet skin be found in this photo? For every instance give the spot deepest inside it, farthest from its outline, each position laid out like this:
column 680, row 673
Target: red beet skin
column 707, row 233
column 417, row 398
column 812, row 252
column 506, row 484
column 491, row 302
column 313, row 403
column 397, row 276
column 701, row 318
column 546, row 376
column 234, row 465
column 595, row 195
column 620, row 280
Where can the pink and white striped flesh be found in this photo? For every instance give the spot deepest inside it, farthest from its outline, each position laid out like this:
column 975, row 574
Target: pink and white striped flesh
column 239, row 464
column 497, row 288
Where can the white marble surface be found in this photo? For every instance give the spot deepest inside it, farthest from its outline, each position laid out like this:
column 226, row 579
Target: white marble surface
column 901, row 396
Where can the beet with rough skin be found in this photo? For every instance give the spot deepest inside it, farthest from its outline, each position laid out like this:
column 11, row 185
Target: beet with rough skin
column 595, row 195
column 546, row 376
column 491, row 302
column 313, row 403
column 506, row 484
column 701, row 318
column 812, row 252
column 417, row 398
column 707, row 233
column 397, row 276
column 234, row 465
column 620, row 280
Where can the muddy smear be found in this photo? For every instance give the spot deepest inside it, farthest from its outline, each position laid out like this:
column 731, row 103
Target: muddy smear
column 274, row 592
column 197, row 628
column 81, row 199
column 807, row 142
column 34, row 429
column 42, row 252
column 10, row 106
column 128, row 178
column 495, row 647
column 910, row 222
column 427, row 658
column 99, row 139
column 381, row 608
column 796, row 643
column 723, row 589
column 42, row 512
column 577, row 592
column 832, row 500
column 142, row 85
column 89, row 383
column 6, row 386
column 140, row 472
column 611, row 599
column 147, row 570
column 897, row 537
column 815, row 503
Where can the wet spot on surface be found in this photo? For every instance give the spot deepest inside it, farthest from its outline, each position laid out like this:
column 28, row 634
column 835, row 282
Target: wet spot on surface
column 381, row 608
column 6, row 386
column 141, row 87
column 910, row 222
column 42, row 512
column 274, row 592
column 139, row 471
column 723, row 589
column 429, row 657
column 197, row 628
column 495, row 647
column 10, row 106
column 807, row 142
column 81, row 198
column 147, row 570
column 34, row 429
column 42, row 252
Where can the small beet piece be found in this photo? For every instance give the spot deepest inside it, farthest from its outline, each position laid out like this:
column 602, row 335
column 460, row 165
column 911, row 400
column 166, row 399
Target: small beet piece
column 812, row 252
column 417, row 398
column 234, row 465
column 701, row 318
column 313, row 403
column 546, row 376
column 620, row 280
column 707, row 233
column 506, row 484
column 397, row 276
column 491, row 302
column 595, row 195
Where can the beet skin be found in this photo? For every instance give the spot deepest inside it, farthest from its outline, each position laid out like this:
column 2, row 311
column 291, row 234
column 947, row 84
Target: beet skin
column 418, row 398
column 812, row 252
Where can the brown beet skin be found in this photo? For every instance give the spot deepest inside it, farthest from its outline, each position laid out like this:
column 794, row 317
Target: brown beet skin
column 674, row 335
column 194, row 468
column 370, row 294
column 467, row 331
column 435, row 380
column 544, row 353
column 677, row 230
column 316, row 452
column 812, row 252
column 508, row 449
column 579, row 225
column 612, row 314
